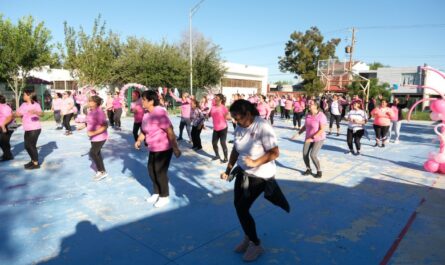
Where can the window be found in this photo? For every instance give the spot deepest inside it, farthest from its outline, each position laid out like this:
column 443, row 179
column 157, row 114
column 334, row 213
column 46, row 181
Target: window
column 228, row 82
column 410, row 79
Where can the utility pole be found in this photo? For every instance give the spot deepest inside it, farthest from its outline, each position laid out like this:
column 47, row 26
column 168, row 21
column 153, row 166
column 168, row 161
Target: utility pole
column 191, row 13
column 352, row 49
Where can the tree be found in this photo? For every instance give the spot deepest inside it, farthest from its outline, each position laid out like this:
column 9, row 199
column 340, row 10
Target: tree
column 375, row 89
column 91, row 57
column 301, row 55
column 283, row 82
column 207, row 64
column 376, row 65
column 23, row 47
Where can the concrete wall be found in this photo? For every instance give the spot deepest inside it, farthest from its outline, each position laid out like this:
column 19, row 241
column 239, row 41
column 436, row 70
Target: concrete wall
column 394, row 75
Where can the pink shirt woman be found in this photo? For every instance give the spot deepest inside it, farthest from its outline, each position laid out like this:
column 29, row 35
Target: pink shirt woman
column 218, row 114
column 288, row 104
column 95, row 119
column 264, row 110
column 136, row 108
column 155, row 125
column 299, row 106
column 382, row 116
column 5, row 112
column 313, row 124
column 185, row 101
column 30, row 120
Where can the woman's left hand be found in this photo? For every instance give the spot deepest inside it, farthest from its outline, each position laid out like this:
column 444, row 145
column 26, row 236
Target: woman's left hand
column 250, row 162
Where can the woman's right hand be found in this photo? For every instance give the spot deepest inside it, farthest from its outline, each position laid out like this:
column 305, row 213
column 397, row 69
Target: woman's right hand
column 137, row 145
column 224, row 176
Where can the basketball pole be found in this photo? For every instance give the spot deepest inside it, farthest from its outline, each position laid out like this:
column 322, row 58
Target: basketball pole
column 352, row 49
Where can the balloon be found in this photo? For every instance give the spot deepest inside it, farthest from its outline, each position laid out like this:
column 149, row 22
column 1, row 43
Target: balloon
column 438, row 106
column 431, row 166
column 435, row 116
column 442, row 168
column 439, row 158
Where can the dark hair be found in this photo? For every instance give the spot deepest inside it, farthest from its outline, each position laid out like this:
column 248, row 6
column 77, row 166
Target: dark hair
column 196, row 103
column 98, row 100
column 32, row 94
column 242, row 106
column 264, row 97
column 222, row 97
column 137, row 93
column 59, row 95
column 68, row 92
column 2, row 99
column 151, row 95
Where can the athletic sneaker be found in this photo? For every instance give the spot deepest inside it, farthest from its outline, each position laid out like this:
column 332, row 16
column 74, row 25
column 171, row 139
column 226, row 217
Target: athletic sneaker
column 307, row 172
column 33, row 166
column 253, row 252
column 215, row 158
column 224, row 161
column 318, row 175
column 396, row 141
column 162, row 201
column 242, row 247
column 153, row 198
column 100, row 175
column 350, row 152
column 27, row 165
column 357, row 153
column 383, row 145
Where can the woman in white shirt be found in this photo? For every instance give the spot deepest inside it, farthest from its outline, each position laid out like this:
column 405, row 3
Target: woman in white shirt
column 254, row 152
column 356, row 128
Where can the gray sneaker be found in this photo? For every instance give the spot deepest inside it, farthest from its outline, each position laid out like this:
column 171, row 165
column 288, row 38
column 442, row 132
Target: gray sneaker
column 100, row 175
column 253, row 252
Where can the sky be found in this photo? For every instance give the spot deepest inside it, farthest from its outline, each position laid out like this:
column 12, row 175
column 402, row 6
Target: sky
column 254, row 32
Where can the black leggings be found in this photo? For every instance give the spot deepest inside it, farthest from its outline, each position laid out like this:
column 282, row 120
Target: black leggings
column 272, row 114
column 66, row 121
column 336, row 118
column 158, row 163
column 282, row 112
column 96, row 155
column 187, row 123
column 117, row 117
column 136, row 127
column 57, row 116
column 196, row 136
column 110, row 115
column 356, row 137
column 31, row 138
column 244, row 200
column 297, row 118
column 222, row 136
column 5, row 138
column 287, row 114
column 380, row 132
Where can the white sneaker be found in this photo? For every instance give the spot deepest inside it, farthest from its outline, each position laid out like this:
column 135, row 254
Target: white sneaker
column 162, row 201
column 153, row 198
column 396, row 141
column 100, row 175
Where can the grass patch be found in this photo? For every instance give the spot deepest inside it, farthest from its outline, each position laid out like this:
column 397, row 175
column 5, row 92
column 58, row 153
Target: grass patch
column 419, row 116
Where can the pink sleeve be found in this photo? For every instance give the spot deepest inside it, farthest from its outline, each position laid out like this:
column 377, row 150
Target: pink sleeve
column 164, row 121
column 175, row 97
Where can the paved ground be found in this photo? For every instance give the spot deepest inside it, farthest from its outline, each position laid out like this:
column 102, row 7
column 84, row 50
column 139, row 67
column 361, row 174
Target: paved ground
column 378, row 208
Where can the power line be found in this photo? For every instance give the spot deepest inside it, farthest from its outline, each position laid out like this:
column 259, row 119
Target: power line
column 403, row 26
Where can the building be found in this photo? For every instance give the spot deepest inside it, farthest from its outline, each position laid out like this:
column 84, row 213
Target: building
column 244, row 79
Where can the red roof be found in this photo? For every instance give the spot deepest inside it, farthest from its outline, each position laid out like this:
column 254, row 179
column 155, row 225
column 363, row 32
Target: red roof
column 334, row 88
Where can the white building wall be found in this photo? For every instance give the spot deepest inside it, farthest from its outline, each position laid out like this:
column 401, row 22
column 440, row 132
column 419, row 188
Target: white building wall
column 434, row 80
column 245, row 72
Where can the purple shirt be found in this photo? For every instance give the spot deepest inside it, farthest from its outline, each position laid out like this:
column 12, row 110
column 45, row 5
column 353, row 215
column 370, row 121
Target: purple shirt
column 5, row 112
column 155, row 125
column 95, row 119
column 30, row 121
column 117, row 103
column 313, row 124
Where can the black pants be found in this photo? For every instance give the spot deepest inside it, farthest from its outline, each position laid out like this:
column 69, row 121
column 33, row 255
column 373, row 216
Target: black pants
column 282, row 112
column 158, row 163
column 380, row 132
column 287, row 114
column 187, row 123
column 272, row 114
column 110, row 115
column 66, row 121
column 297, row 118
column 243, row 203
column 31, row 138
column 222, row 136
column 96, row 155
column 336, row 118
column 356, row 137
column 117, row 117
column 5, row 138
column 196, row 136
column 136, row 127
column 57, row 116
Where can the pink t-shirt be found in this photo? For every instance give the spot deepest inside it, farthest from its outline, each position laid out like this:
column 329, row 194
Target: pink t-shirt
column 155, row 125
column 57, row 104
column 382, row 116
column 109, row 104
column 288, row 104
column 117, row 103
column 95, row 119
column 138, row 111
column 313, row 124
column 218, row 114
column 5, row 112
column 30, row 121
column 186, row 107
column 298, row 106
column 264, row 110
column 395, row 111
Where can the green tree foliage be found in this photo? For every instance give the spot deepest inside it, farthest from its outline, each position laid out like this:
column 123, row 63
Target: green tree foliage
column 376, row 65
column 23, row 47
column 207, row 67
column 91, row 57
column 301, row 55
column 283, row 82
column 375, row 89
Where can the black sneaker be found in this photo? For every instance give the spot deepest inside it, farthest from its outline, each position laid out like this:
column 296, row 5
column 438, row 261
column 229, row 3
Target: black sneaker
column 215, row 158
column 33, row 166
column 357, row 153
column 231, row 141
column 376, row 145
column 383, row 145
column 307, row 172
column 349, row 152
column 179, row 139
column 338, row 134
column 6, row 159
column 318, row 175
column 224, row 161
column 27, row 165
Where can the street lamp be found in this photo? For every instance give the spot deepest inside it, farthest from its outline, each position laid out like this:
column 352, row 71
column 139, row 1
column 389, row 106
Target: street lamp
column 192, row 12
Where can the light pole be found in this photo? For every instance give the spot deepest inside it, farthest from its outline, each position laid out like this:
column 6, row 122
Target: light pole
column 192, row 12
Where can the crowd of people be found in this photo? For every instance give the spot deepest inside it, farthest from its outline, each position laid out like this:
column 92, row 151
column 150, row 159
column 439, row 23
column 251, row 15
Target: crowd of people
column 251, row 161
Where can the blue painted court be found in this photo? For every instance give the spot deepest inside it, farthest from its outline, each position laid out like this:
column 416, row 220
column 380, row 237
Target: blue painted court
column 377, row 208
